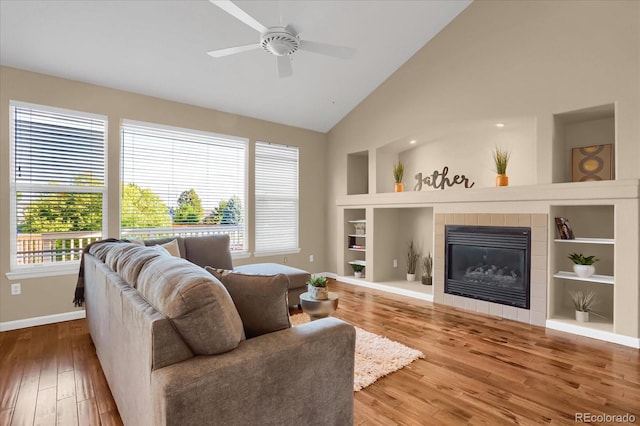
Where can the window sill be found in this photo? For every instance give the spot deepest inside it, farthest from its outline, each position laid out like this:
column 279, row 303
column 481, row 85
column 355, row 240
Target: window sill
column 276, row 252
column 70, row 268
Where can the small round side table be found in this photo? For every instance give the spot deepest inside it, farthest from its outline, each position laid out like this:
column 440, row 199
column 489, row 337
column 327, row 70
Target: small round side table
column 318, row 308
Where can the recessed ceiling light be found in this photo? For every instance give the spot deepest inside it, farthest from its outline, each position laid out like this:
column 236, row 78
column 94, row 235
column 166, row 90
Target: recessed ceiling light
column 412, row 142
column 501, row 125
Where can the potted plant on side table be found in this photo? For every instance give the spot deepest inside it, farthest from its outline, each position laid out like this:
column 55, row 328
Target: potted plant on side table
column 427, row 269
column 583, row 300
column 317, row 287
column 412, row 261
column 583, row 265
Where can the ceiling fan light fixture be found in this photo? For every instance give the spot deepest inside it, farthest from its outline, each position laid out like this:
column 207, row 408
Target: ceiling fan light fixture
column 279, row 41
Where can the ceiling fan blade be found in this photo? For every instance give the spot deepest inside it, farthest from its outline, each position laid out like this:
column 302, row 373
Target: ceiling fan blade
column 341, row 52
column 233, row 50
column 284, row 66
column 239, row 14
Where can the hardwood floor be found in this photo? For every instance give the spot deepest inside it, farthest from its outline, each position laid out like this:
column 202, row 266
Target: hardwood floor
column 477, row 370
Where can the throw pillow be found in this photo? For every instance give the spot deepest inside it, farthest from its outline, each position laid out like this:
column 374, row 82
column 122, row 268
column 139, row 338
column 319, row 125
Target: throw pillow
column 197, row 304
column 172, row 247
column 261, row 300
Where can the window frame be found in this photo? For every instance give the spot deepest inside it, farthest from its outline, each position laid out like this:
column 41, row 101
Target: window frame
column 46, row 269
column 236, row 254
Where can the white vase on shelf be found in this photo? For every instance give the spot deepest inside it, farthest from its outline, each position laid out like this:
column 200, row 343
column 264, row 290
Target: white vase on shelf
column 411, row 277
column 582, row 316
column 584, row 271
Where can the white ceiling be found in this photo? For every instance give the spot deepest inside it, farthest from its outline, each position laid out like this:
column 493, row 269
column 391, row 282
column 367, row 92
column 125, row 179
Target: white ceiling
column 158, row 48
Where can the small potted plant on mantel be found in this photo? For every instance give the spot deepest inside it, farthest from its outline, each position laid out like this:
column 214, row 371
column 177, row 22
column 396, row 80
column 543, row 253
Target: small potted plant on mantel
column 412, row 262
column 501, row 160
column 583, row 265
column 317, row 287
column 427, row 269
column 357, row 269
column 398, row 174
column 583, row 300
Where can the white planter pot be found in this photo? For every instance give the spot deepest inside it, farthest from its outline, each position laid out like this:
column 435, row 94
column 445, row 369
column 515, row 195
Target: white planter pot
column 584, row 271
column 320, row 293
column 411, row 277
column 582, row 316
column 357, row 274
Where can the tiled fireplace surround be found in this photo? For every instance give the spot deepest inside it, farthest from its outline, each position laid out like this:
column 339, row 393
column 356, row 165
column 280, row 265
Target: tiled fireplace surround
column 539, row 234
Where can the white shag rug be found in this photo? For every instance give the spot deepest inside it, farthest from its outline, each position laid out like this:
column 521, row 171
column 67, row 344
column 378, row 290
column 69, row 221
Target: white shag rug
column 376, row 356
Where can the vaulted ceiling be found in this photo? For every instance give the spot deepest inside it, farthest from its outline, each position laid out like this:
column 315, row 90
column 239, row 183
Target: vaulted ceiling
column 159, row 48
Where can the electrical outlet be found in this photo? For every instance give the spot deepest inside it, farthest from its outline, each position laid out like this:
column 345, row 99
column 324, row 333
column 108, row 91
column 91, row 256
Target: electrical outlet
column 16, row 289
column 395, row 263
column 311, row 258
column 285, row 260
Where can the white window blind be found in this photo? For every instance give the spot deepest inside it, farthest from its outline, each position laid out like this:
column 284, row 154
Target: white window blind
column 58, row 171
column 180, row 182
column 276, row 198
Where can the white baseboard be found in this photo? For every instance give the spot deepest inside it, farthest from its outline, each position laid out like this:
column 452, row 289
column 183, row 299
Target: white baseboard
column 382, row 287
column 47, row 319
column 594, row 334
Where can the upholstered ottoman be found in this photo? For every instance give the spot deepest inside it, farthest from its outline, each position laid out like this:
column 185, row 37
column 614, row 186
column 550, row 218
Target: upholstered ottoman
column 297, row 277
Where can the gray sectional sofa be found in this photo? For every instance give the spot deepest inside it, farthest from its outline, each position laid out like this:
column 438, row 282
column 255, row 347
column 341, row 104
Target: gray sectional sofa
column 180, row 347
column 213, row 250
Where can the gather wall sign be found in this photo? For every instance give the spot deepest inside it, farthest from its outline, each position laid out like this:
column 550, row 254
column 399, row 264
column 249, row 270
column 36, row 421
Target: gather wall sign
column 440, row 180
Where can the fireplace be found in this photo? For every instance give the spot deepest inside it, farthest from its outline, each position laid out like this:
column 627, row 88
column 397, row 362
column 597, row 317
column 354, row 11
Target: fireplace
column 491, row 263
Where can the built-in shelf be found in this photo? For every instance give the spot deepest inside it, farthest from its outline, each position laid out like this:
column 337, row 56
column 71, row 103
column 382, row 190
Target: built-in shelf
column 358, row 262
column 587, row 241
column 602, row 279
column 358, row 235
column 357, row 249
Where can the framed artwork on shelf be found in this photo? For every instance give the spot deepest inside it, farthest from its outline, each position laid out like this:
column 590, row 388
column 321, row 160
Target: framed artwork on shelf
column 591, row 163
column 564, row 229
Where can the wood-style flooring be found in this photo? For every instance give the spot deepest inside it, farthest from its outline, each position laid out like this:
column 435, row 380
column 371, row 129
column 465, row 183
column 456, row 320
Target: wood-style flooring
column 477, row 370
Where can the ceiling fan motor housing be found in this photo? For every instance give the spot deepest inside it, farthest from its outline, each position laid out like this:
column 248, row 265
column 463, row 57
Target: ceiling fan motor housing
column 279, row 41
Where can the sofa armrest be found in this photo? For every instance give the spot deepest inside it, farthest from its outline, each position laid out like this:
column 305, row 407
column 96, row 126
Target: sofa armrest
column 300, row 375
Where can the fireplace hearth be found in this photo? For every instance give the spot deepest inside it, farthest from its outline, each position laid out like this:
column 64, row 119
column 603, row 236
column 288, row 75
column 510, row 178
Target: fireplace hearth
column 489, row 263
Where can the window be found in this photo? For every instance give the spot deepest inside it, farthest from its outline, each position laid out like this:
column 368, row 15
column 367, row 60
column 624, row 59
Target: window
column 179, row 182
column 58, row 177
column 276, row 198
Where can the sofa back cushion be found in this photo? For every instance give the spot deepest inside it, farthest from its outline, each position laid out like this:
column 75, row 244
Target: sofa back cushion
column 197, row 304
column 210, row 250
column 261, row 300
column 130, row 262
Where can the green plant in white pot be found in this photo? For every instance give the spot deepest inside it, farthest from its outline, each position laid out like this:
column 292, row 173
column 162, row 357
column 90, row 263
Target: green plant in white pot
column 413, row 257
column 583, row 301
column 317, row 287
column 357, row 269
column 583, row 265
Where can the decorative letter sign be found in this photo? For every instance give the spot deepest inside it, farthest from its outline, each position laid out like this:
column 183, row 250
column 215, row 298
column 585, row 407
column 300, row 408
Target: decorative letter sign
column 439, row 180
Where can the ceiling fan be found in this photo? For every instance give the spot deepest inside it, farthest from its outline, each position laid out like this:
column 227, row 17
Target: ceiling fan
column 282, row 42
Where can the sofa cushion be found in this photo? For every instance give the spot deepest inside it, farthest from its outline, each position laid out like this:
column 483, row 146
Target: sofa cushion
column 100, row 249
column 261, row 300
column 116, row 251
column 210, row 250
column 297, row 277
column 130, row 262
column 197, row 304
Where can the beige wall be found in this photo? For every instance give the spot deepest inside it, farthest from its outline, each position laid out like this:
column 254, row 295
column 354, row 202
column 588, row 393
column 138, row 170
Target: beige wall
column 53, row 295
column 518, row 61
